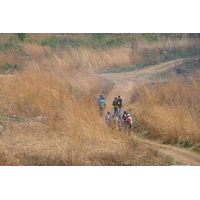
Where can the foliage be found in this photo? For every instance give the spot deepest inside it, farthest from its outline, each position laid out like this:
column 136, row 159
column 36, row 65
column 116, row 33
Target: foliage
column 98, row 40
column 150, row 36
column 10, row 44
column 59, row 42
column 7, row 66
column 21, row 36
column 106, row 40
column 99, row 36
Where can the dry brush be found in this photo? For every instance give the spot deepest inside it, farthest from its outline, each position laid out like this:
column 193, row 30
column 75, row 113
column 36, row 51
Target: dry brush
column 170, row 111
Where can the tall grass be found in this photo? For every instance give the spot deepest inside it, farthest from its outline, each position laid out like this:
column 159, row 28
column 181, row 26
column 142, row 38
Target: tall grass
column 140, row 52
column 72, row 132
column 50, row 117
column 170, row 111
column 119, row 57
column 49, row 109
column 146, row 52
column 83, row 57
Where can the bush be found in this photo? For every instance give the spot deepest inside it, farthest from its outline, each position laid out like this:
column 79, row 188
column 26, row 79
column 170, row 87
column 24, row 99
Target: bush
column 59, row 42
column 150, row 36
column 11, row 42
column 7, row 66
column 98, row 36
column 21, row 36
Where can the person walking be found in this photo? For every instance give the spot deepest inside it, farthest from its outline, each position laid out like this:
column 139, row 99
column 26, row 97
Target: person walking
column 102, row 106
column 129, row 123
column 100, row 98
column 108, row 119
column 120, row 123
column 124, row 117
column 119, row 104
column 115, row 105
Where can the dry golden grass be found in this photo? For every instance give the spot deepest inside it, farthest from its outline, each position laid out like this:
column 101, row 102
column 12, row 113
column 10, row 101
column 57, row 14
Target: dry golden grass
column 44, row 85
column 37, row 52
column 94, row 59
column 9, row 58
column 81, row 58
column 171, row 110
column 60, row 86
column 115, row 57
column 144, row 47
column 71, row 131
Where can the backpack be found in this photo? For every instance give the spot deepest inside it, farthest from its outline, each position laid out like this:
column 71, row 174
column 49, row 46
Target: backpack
column 102, row 103
column 119, row 102
column 130, row 121
column 115, row 103
column 124, row 116
column 100, row 98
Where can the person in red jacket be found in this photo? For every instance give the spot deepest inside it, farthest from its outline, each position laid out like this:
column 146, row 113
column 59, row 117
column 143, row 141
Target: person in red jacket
column 129, row 123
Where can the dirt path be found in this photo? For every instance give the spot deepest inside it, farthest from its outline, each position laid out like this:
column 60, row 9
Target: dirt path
column 126, row 82
column 179, row 155
column 124, row 85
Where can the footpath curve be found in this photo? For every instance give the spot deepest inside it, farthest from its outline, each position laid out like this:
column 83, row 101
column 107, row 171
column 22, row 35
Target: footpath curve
column 124, row 85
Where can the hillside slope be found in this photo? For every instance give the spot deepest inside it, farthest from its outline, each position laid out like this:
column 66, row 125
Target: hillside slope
column 124, row 85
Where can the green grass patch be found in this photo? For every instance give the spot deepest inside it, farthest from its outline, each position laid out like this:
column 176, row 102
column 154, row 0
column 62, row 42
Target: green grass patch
column 96, row 40
column 107, row 40
column 5, row 67
column 60, row 42
column 150, row 36
column 11, row 43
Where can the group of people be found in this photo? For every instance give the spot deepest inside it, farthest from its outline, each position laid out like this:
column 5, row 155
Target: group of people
column 124, row 122
column 117, row 104
column 117, row 119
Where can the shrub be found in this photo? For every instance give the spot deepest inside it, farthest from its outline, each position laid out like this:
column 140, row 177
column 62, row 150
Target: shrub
column 98, row 36
column 11, row 43
column 59, row 42
column 7, row 66
column 150, row 36
column 21, row 36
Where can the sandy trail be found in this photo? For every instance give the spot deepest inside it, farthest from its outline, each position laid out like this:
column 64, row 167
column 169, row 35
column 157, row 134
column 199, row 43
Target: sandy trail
column 126, row 82
column 124, row 85
column 179, row 155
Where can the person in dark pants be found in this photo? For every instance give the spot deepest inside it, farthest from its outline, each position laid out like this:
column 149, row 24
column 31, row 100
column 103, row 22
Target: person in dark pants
column 124, row 117
column 120, row 123
column 115, row 105
column 119, row 104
